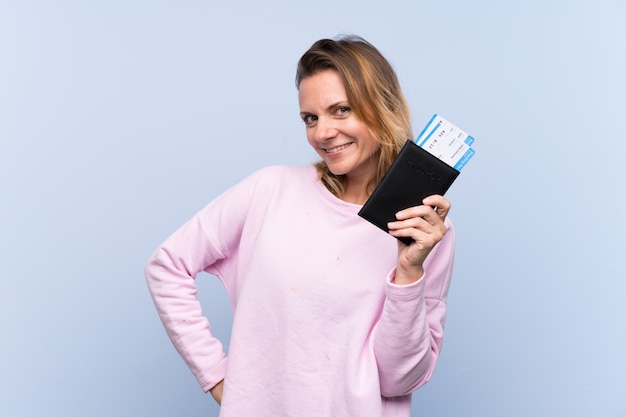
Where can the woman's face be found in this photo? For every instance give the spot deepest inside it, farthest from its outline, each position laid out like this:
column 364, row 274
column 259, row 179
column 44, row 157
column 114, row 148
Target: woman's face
column 340, row 138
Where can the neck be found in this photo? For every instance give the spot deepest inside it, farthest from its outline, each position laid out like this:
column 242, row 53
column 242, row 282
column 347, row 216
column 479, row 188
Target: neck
column 355, row 192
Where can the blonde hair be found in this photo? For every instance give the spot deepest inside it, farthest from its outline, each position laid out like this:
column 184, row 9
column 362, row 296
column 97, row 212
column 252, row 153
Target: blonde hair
column 373, row 92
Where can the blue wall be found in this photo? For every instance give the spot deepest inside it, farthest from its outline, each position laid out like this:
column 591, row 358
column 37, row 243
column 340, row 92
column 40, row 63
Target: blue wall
column 121, row 119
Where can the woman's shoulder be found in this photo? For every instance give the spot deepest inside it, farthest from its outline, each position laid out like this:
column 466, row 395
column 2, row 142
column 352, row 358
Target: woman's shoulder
column 272, row 178
column 282, row 170
column 275, row 182
column 284, row 174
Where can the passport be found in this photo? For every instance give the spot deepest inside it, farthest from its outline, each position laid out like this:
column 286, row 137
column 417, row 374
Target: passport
column 414, row 174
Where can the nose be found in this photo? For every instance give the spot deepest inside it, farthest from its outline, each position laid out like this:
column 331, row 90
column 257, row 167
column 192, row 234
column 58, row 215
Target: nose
column 325, row 129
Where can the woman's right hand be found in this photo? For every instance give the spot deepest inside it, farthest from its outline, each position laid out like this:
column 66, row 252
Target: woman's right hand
column 216, row 392
column 426, row 227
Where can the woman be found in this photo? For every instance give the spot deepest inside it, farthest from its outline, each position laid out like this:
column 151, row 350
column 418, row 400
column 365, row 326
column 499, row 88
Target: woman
column 332, row 317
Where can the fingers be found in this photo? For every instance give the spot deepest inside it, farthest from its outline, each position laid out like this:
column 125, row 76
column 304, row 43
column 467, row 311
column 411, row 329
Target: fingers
column 442, row 205
column 422, row 223
column 425, row 222
column 424, row 239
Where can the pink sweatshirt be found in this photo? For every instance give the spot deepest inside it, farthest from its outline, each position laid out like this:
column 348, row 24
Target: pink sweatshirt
column 319, row 327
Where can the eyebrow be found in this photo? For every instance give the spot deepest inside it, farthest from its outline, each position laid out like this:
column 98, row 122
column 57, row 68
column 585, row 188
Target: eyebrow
column 340, row 103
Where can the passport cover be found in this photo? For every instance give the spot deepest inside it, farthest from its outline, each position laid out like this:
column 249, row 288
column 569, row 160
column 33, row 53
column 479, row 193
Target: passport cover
column 414, row 175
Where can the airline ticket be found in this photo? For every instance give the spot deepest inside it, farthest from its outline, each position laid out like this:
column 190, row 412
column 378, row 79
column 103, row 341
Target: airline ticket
column 447, row 142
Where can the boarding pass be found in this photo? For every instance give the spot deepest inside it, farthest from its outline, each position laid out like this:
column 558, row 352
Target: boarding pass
column 447, row 142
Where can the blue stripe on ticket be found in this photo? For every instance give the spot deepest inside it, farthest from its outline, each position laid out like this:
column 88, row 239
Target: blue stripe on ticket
column 424, row 140
column 425, row 128
column 464, row 159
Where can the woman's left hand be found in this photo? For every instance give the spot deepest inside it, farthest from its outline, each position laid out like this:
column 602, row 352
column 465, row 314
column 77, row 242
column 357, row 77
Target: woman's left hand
column 425, row 226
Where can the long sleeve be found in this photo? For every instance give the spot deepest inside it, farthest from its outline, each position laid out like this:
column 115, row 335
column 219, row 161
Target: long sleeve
column 170, row 274
column 201, row 244
column 409, row 335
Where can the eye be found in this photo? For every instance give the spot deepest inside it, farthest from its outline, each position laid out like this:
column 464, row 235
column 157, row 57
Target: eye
column 343, row 110
column 309, row 119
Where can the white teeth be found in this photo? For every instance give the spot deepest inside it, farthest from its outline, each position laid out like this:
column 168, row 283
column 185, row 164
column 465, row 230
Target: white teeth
column 338, row 148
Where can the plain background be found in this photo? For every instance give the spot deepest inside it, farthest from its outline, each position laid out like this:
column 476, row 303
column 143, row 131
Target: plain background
column 120, row 119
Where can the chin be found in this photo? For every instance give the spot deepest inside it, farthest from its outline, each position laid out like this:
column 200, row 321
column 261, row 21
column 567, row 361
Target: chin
column 338, row 171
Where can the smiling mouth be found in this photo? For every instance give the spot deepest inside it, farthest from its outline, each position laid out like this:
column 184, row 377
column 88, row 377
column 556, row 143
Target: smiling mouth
column 337, row 148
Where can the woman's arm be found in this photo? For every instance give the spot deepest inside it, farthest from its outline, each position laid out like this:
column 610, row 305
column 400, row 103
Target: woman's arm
column 170, row 274
column 409, row 334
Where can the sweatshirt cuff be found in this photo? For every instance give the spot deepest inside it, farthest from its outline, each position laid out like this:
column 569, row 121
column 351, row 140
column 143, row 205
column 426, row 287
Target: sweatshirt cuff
column 218, row 375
